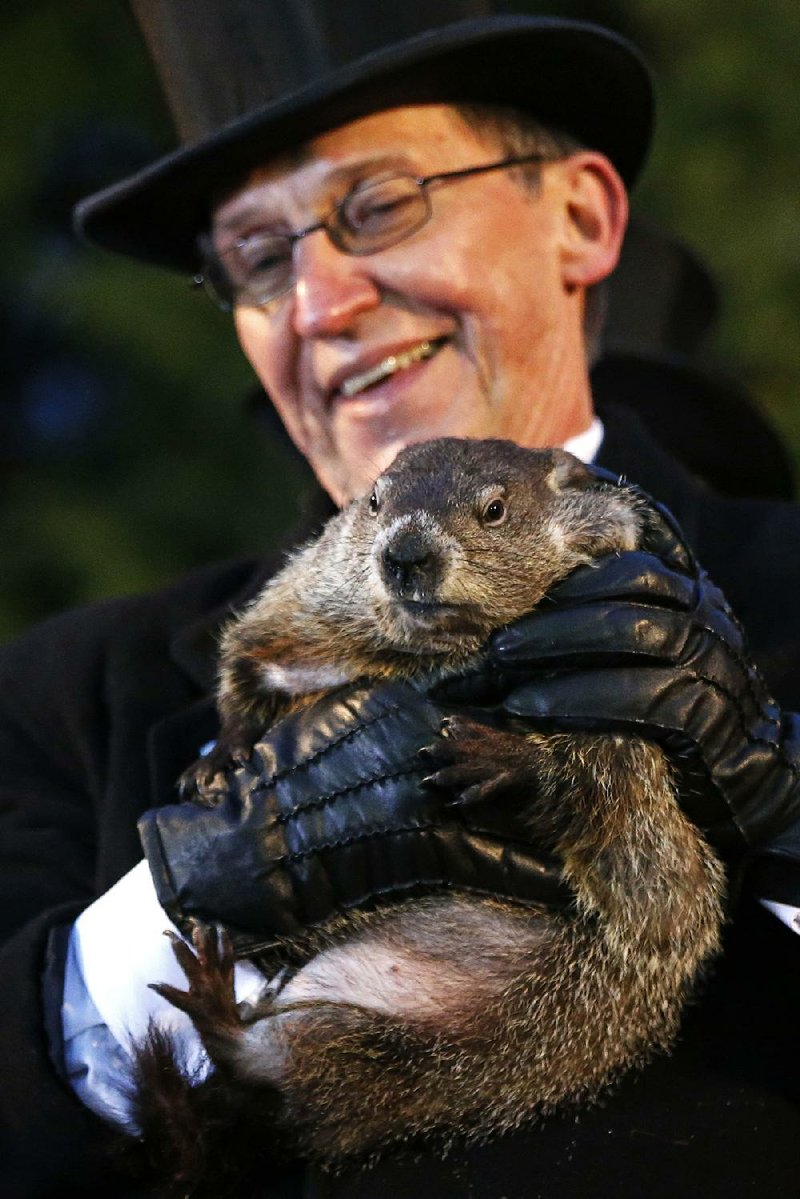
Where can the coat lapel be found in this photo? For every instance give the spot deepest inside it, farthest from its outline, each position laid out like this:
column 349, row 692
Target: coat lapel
column 629, row 450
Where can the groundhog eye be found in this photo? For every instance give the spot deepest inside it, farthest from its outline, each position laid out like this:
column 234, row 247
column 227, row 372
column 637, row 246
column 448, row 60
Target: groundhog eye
column 494, row 513
column 374, row 503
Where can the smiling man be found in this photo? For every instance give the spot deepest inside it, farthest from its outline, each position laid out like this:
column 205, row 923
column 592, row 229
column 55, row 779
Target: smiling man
column 413, row 244
column 393, row 337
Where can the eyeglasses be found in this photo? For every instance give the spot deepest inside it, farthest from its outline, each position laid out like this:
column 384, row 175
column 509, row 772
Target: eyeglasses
column 372, row 216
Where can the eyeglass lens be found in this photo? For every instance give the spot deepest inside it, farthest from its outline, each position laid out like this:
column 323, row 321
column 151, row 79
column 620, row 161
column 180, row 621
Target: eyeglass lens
column 373, row 217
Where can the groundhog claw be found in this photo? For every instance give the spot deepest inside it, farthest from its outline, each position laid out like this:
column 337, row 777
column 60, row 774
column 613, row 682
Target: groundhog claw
column 478, row 762
column 208, row 967
column 479, row 793
column 203, row 784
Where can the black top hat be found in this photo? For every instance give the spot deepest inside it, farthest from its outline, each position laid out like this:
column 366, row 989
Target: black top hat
column 227, row 82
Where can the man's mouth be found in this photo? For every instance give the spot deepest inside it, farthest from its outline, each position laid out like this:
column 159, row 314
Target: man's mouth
column 390, row 365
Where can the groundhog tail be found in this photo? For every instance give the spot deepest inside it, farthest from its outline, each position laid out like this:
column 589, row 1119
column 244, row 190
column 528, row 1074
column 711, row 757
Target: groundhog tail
column 201, row 1139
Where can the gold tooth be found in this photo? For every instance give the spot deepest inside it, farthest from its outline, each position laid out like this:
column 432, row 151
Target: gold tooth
column 387, row 367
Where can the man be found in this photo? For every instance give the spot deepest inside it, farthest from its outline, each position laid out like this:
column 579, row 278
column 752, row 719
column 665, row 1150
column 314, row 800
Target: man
column 471, row 320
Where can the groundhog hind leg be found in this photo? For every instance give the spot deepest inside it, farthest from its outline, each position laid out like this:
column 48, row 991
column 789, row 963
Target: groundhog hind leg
column 648, row 889
column 607, row 805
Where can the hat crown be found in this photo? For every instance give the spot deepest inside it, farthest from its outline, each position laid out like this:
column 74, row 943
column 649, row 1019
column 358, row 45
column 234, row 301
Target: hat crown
column 233, row 57
column 231, row 68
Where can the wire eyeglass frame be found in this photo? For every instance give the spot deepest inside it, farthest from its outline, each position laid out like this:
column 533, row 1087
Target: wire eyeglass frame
column 402, row 212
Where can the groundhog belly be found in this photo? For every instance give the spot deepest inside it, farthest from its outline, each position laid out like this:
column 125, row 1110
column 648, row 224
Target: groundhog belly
column 401, row 965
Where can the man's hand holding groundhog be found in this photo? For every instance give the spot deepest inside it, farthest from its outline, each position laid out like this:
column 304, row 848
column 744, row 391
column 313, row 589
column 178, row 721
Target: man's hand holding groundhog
column 640, row 645
column 639, row 642
column 330, row 813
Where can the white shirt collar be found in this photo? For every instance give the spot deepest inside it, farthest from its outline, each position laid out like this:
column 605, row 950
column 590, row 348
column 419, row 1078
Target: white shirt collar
column 586, row 445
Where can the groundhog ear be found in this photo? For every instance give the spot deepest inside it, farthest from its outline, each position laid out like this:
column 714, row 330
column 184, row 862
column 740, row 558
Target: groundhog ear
column 568, row 471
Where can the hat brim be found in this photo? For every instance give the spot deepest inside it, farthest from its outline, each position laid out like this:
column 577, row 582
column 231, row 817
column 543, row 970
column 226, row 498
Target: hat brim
column 573, row 76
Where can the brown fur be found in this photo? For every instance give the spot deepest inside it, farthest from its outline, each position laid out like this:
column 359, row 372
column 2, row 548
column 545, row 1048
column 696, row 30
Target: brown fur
column 450, row 1015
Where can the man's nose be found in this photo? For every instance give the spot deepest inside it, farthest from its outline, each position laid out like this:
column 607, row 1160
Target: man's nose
column 331, row 287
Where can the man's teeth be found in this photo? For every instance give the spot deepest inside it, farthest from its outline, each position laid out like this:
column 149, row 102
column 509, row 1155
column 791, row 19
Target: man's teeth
column 382, row 370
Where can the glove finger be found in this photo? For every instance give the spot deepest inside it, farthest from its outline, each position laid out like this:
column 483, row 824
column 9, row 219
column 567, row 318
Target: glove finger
column 663, row 536
column 394, row 720
column 594, row 633
column 703, row 715
column 447, row 855
column 484, row 687
column 633, row 575
column 655, row 704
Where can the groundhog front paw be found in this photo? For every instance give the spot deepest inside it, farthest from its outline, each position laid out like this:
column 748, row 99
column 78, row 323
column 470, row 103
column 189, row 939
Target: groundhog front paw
column 477, row 762
column 207, row 781
column 202, row 784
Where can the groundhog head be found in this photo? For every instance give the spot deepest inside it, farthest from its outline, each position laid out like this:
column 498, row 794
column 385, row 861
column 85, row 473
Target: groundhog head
column 465, row 536
column 456, row 539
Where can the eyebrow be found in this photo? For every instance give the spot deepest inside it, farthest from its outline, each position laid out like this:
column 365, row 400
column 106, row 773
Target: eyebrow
column 345, row 176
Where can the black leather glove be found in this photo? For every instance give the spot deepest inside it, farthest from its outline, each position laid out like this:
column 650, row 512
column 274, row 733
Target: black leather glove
column 330, row 813
column 643, row 643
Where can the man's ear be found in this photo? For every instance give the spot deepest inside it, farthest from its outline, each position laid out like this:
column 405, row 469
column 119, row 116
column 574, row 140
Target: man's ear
column 596, row 212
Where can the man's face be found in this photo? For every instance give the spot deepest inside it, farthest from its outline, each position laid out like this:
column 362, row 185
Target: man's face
column 484, row 284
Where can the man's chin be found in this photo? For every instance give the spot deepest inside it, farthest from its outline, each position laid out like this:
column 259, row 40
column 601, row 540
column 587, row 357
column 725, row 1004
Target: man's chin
column 361, row 468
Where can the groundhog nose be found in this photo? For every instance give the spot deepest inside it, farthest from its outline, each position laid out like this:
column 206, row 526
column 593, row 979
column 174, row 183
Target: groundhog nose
column 409, row 563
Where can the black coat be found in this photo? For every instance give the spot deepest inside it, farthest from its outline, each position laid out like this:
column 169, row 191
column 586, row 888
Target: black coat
column 102, row 708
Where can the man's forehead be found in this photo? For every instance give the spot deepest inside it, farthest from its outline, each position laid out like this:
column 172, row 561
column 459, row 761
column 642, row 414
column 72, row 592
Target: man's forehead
column 390, row 139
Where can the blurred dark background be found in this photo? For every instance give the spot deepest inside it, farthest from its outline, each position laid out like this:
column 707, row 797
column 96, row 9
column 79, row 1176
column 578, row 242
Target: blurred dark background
column 127, row 451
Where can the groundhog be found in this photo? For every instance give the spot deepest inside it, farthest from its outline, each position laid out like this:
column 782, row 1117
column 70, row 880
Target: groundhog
column 452, row 1015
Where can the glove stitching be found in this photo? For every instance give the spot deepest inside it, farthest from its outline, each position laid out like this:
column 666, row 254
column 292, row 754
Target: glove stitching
column 344, row 842
column 736, row 704
column 332, row 796
column 386, row 831
column 775, row 747
column 288, row 771
column 753, row 682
